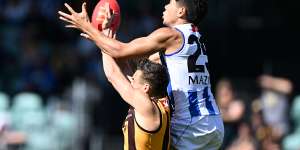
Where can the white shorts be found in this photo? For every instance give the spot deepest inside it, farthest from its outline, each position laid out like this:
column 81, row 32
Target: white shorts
column 205, row 132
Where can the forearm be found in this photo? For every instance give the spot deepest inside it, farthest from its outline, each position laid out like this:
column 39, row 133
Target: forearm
column 109, row 66
column 116, row 77
column 135, row 98
column 281, row 85
column 139, row 47
column 107, row 45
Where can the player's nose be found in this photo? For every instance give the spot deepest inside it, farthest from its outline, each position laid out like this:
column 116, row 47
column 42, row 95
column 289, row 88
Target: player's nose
column 166, row 6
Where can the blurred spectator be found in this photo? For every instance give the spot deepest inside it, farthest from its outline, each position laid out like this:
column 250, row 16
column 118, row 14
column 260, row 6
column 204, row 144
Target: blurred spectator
column 4, row 115
column 65, row 124
column 245, row 140
column 257, row 122
column 291, row 141
column 262, row 131
column 147, row 21
column 36, row 73
column 16, row 11
column 48, row 8
column 232, row 109
column 4, row 118
column 29, row 117
column 8, row 136
column 274, row 101
column 269, row 143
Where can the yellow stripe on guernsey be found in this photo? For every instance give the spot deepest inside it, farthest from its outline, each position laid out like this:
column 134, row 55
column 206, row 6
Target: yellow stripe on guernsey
column 137, row 138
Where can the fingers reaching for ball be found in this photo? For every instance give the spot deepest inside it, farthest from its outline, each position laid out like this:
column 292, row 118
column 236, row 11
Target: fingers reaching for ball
column 75, row 20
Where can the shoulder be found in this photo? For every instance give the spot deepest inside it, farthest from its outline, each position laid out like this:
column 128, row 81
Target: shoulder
column 165, row 32
column 142, row 102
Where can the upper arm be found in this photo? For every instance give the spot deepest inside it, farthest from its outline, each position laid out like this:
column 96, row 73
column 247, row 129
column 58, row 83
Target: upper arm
column 155, row 58
column 160, row 39
column 135, row 98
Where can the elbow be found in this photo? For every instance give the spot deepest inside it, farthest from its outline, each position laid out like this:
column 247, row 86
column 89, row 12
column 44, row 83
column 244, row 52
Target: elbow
column 112, row 50
column 120, row 51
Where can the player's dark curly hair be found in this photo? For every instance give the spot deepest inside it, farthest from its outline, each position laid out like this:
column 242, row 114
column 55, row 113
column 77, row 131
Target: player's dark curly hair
column 196, row 10
column 156, row 75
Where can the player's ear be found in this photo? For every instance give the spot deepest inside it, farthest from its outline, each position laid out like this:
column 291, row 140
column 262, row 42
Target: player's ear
column 181, row 12
column 146, row 88
column 129, row 78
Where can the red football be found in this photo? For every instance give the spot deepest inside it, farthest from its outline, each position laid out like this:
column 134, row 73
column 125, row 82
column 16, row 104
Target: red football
column 114, row 7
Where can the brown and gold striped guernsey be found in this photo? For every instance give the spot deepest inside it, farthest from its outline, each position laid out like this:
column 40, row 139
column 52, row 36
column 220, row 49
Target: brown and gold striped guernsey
column 137, row 138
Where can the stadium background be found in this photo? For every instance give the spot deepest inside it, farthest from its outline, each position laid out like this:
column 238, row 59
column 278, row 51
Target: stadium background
column 246, row 38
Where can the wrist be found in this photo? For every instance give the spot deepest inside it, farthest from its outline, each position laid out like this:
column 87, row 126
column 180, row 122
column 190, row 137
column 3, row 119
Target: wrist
column 91, row 30
column 87, row 27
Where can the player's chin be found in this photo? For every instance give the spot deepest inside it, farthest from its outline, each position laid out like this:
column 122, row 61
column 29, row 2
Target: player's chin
column 164, row 20
column 165, row 23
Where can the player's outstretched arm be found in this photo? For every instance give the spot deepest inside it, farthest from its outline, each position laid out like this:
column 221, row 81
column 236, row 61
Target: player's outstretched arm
column 157, row 40
column 144, row 46
column 140, row 101
column 137, row 99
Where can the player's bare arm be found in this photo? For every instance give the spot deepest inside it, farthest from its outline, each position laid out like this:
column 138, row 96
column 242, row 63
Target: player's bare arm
column 160, row 39
column 139, row 100
column 146, row 111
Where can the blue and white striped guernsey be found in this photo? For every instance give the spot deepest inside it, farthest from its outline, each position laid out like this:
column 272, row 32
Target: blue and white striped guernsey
column 190, row 88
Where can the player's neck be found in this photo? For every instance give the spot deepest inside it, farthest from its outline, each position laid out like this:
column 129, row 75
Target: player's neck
column 179, row 22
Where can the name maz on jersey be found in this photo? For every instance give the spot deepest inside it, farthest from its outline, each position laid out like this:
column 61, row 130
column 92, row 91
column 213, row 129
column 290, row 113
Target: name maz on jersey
column 201, row 79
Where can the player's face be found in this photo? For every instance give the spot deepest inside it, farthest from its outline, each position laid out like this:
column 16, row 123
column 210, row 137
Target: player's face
column 170, row 13
column 137, row 80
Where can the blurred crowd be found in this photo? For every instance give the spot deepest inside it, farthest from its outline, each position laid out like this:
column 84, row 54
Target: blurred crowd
column 54, row 94
column 267, row 119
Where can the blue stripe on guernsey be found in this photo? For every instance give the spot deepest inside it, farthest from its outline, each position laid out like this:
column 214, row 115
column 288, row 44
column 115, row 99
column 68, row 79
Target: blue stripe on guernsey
column 171, row 98
column 208, row 103
column 194, row 104
column 182, row 45
column 169, row 89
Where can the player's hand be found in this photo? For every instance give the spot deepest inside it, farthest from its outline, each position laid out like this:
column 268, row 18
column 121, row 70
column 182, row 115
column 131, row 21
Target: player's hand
column 105, row 16
column 109, row 33
column 76, row 20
